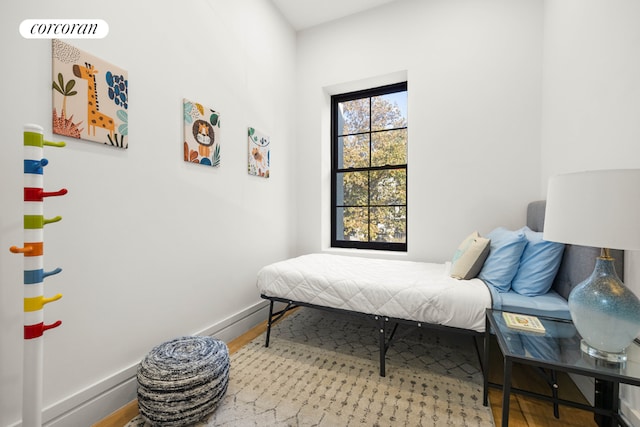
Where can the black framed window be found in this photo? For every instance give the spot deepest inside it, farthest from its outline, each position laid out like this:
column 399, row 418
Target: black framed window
column 369, row 168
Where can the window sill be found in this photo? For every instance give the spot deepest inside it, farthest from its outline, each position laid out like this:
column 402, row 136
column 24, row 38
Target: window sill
column 367, row 253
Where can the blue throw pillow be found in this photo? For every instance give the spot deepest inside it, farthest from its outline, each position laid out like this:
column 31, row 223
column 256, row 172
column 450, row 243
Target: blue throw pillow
column 538, row 266
column 504, row 257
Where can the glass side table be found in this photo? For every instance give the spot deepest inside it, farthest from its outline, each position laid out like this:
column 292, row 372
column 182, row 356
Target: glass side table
column 557, row 350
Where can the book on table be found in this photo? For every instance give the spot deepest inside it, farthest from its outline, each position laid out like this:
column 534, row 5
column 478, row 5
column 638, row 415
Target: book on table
column 523, row 322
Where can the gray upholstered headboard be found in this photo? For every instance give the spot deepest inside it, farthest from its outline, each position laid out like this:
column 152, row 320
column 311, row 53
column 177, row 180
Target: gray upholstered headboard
column 577, row 261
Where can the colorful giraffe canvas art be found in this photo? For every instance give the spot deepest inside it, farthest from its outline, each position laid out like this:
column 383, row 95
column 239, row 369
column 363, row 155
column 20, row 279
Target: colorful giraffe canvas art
column 90, row 97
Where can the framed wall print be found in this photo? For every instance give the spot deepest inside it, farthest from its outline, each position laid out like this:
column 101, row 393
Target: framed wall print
column 90, row 97
column 259, row 153
column 201, row 134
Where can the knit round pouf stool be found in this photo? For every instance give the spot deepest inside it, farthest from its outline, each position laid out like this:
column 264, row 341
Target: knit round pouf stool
column 182, row 381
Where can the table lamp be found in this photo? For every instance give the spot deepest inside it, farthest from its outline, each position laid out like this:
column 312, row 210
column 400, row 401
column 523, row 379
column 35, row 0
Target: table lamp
column 599, row 209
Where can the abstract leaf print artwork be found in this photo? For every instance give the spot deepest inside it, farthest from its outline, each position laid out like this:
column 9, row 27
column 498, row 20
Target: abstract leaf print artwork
column 259, row 153
column 90, row 97
column 201, row 134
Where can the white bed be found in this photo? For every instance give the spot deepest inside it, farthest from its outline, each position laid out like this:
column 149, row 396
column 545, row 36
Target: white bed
column 388, row 292
column 415, row 291
column 423, row 294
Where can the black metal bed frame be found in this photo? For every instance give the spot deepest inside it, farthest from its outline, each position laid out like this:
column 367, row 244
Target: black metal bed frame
column 382, row 322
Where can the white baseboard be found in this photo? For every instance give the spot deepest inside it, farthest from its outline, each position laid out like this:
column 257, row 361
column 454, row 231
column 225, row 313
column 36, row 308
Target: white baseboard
column 94, row 403
column 631, row 415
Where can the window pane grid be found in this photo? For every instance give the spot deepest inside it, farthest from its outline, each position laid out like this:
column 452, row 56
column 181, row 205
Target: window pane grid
column 369, row 165
column 373, row 168
column 373, row 131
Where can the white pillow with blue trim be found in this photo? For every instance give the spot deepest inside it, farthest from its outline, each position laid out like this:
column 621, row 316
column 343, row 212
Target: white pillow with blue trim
column 469, row 257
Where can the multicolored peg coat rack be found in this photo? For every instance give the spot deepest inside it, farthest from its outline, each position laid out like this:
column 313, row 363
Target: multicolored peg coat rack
column 34, row 274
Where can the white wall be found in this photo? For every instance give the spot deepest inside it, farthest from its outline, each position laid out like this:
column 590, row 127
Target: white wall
column 474, row 75
column 151, row 247
column 591, row 101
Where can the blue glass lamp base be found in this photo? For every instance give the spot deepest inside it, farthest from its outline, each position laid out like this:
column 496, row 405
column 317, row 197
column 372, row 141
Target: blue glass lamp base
column 605, row 313
column 620, row 357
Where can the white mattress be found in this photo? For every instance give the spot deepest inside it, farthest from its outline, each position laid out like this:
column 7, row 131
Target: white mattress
column 419, row 291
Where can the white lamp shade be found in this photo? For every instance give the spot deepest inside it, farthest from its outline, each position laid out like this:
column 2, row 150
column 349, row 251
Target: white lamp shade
column 595, row 208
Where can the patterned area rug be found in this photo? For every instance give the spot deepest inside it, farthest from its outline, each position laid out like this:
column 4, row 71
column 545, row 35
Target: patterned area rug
column 321, row 369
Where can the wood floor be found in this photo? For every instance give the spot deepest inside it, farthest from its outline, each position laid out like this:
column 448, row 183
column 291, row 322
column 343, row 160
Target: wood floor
column 524, row 411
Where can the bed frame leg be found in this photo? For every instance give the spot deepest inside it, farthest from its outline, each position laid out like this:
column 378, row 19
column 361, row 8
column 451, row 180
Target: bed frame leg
column 269, row 321
column 383, row 346
column 479, row 353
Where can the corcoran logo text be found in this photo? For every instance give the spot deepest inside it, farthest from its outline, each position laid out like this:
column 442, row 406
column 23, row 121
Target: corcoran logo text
column 64, row 28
